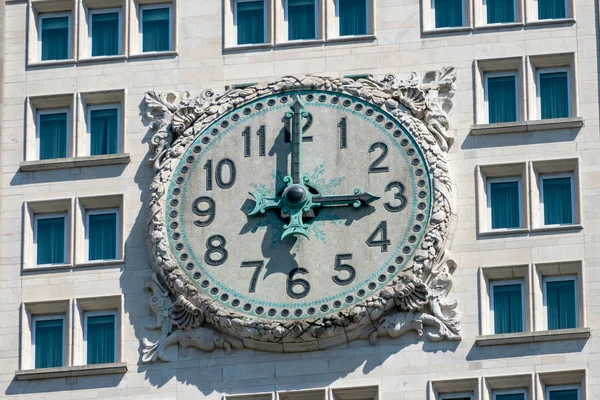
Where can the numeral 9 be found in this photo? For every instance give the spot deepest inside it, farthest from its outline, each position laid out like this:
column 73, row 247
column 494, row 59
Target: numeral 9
column 209, row 212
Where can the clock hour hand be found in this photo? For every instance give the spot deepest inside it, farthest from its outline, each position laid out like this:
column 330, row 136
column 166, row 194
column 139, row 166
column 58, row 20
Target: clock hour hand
column 296, row 225
column 263, row 203
column 356, row 200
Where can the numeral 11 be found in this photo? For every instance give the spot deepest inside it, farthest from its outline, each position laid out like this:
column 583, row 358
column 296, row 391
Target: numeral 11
column 261, row 141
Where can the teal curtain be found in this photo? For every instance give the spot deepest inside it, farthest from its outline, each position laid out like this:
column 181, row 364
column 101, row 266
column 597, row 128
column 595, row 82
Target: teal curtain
column 250, row 22
column 560, row 303
column 301, row 19
column 50, row 239
column 552, row 9
column 448, row 13
column 554, row 94
column 105, row 34
column 499, row 11
column 353, row 17
column 558, row 207
column 563, row 394
column 101, row 339
column 55, row 38
column 104, row 131
column 504, row 201
column 508, row 309
column 49, row 343
column 53, row 135
column 502, row 99
column 512, row 396
column 155, row 29
column 102, row 236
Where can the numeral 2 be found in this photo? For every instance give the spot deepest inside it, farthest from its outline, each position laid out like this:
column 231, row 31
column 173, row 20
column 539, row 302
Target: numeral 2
column 375, row 168
column 383, row 242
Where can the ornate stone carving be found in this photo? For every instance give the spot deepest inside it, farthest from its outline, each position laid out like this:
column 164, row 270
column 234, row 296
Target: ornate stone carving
column 417, row 299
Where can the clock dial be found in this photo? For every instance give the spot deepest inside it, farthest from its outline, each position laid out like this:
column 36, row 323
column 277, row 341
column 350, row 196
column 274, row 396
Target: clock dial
column 330, row 220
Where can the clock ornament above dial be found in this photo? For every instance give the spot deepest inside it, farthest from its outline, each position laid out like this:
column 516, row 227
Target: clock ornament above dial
column 285, row 205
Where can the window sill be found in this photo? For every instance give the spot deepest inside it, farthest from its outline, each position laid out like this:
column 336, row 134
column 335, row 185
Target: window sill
column 557, row 228
column 541, row 22
column 154, row 54
column 51, row 63
column 102, row 59
column 506, row 25
column 439, row 31
column 531, row 337
column 52, row 267
column 527, row 126
column 296, row 43
column 95, row 264
column 74, row 162
column 501, row 232
column 247, row 47
column 353, row 39
column 68, row 372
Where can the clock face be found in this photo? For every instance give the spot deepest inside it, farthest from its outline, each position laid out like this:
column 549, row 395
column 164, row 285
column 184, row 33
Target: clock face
column 330, row 220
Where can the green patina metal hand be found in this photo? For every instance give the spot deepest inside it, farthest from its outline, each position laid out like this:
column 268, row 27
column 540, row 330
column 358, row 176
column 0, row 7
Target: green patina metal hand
column 297, row 199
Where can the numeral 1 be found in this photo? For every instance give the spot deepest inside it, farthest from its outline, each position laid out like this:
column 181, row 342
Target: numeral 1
column 343, row 133
column 261, row 141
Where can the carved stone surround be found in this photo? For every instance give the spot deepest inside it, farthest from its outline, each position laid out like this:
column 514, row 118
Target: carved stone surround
column 416, row 300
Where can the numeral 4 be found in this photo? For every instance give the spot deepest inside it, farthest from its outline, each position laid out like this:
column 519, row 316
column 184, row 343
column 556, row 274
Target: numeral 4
column 379, row 237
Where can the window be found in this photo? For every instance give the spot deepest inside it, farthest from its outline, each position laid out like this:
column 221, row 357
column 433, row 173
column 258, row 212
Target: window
column 301, row 19
column 54, row 36
column 562, row 393
column 52, row 133
column 156, row 28
column 50, row 237
column 510, row 395
column 250, row 22
column 500, row 96
column 447, row 13
column 48, row 340
column 100, row 337
column 560, row 301
column 103, row 129
column 557, row 199
column 352, row 17
column 553, row 93
column 551, row 9
column 105, row 32
column 102, row 234
column 456, row 396
column 504, row 202
column 507, row 307
column 499, row 11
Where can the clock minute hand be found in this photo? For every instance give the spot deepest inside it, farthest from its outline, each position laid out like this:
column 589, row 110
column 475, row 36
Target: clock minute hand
column 296, row 116
column 357, row 199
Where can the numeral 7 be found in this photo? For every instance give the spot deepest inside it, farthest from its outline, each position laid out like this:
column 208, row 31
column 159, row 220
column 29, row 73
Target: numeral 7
column 258, row 265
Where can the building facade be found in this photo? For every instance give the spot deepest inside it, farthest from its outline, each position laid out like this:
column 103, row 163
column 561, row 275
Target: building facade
column 107, row 106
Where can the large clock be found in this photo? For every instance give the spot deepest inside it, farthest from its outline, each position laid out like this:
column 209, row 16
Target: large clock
column 298, row 205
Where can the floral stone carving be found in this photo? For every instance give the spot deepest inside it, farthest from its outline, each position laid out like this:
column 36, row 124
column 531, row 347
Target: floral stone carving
column 416, row 299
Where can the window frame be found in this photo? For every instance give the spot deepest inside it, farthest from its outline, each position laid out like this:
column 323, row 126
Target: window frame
column 98, row 211
column 37, row 217
column 367, row 16
column 42, row 16
column 453, row 396
column 488, row 185
column 102, row 313
column 286, row 25
column 492, row 284
column 495, row 393
column 571, row 177
column 90, row 27
column 67, row 133
column 463, row 13
column 34, row 320
column 265, row 27
column 500, row 74
column 559, row 278
column 562, row 387
column 144, row 7
column 538, row 98
column 95, row 107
